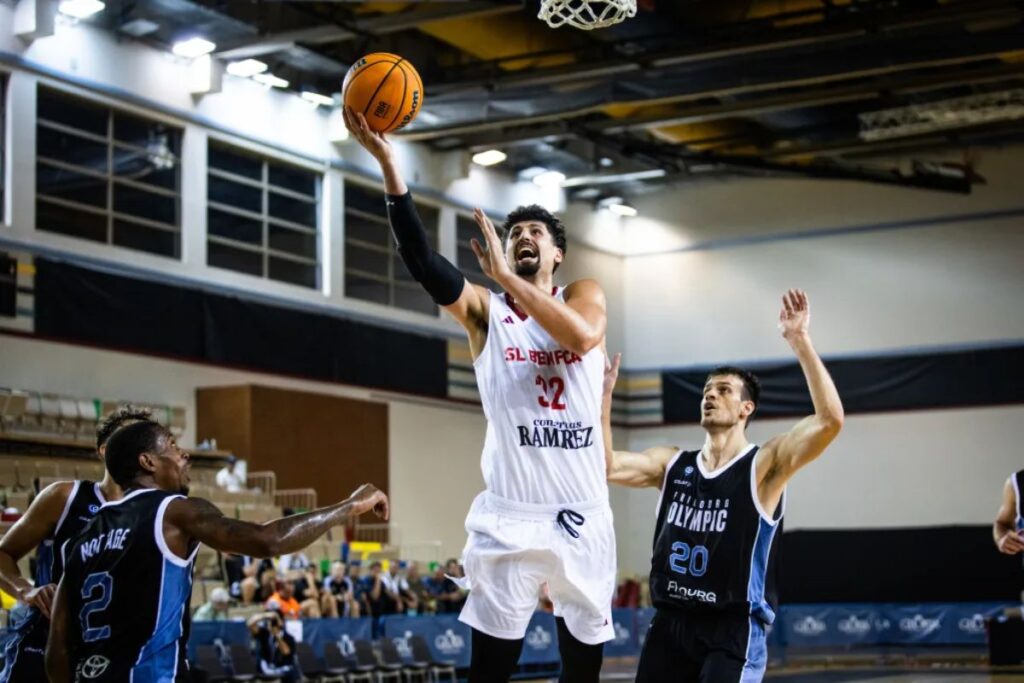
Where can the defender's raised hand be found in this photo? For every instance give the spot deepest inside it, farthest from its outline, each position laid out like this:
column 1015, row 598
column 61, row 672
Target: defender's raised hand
column 795, row 316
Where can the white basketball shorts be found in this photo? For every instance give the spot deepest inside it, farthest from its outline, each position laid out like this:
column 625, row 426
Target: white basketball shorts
column 514, row 548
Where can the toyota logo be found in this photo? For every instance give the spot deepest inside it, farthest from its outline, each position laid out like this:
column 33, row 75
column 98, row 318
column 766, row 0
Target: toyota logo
column 94, row 666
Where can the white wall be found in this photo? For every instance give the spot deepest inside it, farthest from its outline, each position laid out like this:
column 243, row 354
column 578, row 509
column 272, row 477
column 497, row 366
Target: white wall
column 435, row 472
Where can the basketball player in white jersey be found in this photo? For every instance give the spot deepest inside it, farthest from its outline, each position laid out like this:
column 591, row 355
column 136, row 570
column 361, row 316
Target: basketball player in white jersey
column 539, row 359
column 718, row 515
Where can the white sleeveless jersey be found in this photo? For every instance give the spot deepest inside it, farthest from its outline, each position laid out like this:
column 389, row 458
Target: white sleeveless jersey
column 543, row 406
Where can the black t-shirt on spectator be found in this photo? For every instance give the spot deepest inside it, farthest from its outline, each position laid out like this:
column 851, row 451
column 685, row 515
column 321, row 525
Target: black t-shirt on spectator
column 270, row 652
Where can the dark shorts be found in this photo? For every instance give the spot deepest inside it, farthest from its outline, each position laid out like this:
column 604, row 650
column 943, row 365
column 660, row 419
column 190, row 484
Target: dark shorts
column 703, row 648
column 25, row 651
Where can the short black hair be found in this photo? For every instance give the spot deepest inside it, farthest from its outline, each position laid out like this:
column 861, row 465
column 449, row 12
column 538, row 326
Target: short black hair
column 126, row 445
column 751, row 384
column 117, row 419
column 536, row 212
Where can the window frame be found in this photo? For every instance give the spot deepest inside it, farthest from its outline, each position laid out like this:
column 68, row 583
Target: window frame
column 265, row 219
column 109, row 177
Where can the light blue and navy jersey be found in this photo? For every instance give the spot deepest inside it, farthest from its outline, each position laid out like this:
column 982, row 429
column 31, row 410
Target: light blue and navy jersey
column 83, row 502
column 128, row 594
column 714, row 546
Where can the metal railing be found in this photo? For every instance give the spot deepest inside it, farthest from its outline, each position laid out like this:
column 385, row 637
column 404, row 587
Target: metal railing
column 265, row 481
column 296, row 499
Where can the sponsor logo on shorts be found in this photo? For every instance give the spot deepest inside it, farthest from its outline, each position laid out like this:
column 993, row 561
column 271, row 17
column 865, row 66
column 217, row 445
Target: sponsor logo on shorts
column 809, row 626
column 852, row 626
column 920, row 625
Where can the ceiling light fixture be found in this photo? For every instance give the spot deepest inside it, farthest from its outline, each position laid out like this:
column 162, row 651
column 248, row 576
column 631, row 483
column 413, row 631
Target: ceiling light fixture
column 317, row 99
column 617, row 206
column 490, row 157
column 270, row 80
column 246, row 68
column 604, row 179
column 549, row 179
column 80, row 9
column 193, row 47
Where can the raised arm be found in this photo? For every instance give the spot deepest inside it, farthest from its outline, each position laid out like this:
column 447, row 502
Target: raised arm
column 578, row 324
column 194, row 518
column 35, row 526
column 1004, row 530
column 449, row 288
column 783, row 455
column 58, row 659
column 636, row 470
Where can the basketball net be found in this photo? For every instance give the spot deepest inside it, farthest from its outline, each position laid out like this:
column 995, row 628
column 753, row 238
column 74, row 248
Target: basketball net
column 586, row 14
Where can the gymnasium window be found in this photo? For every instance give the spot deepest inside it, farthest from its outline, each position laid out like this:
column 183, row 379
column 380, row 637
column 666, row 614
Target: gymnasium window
column 106, row 175
column 465, row 230
column 373, row 270
column 262, row 216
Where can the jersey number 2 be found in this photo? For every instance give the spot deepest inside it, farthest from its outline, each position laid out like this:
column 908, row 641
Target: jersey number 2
column 103, row 584
column 555, row 386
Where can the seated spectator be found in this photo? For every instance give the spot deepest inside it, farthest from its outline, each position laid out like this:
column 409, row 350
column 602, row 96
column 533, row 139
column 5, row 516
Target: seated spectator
column 231, row 477
column 275, row 647
column 414, row 591
column 338, row 596
column 382, row 592
column 284, row 600
column 360, row 588
column 627, row 594
column 449, row 596
column 214, row 609
column 306, row 592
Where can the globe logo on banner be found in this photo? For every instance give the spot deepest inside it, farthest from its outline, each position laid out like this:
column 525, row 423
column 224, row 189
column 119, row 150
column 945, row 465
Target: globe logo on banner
column 538, row 638
column 882, row 624
column 809, row 626
column 346, row 646
column 402, row 645
column 974, row 625
column 852, row 626
column 920, row 625
column 450, row 643
column 621, row 634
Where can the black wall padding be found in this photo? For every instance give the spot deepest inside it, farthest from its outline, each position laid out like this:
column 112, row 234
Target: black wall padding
column 88, row 306
column 113, row 311
column 977, row 377
column 933, row 564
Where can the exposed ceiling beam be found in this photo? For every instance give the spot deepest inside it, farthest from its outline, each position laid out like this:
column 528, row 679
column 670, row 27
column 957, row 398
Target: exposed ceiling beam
column 720, row 92
column 802, row 36
column 371, row 26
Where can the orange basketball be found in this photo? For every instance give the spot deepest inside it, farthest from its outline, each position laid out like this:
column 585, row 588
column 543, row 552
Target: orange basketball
column 385, row 88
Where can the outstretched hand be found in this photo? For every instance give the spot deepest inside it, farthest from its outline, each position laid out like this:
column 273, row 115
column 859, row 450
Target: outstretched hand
column 367, row 497
column 375, row 143
column 795, row 316
column 490, row 254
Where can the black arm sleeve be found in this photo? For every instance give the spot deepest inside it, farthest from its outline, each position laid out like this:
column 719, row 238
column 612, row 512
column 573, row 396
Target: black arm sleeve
column 442, row 280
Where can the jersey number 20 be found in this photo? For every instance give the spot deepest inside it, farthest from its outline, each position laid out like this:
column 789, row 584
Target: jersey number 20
column 697, row 557
column 103, row 584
